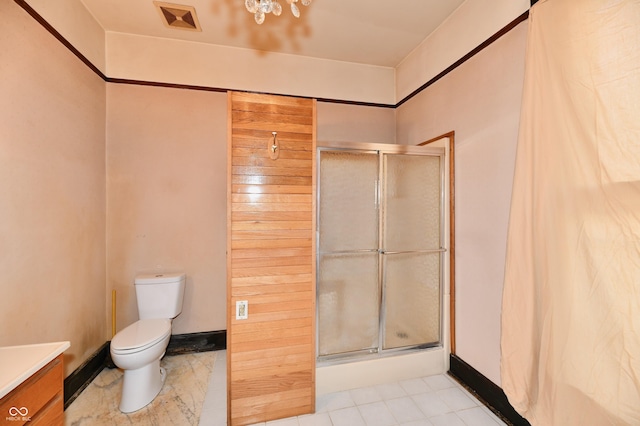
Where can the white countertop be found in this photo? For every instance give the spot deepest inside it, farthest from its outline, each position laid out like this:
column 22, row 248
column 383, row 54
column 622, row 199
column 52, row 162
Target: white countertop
column 18, row 363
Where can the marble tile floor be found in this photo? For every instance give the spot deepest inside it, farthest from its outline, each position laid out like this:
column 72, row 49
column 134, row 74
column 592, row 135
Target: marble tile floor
column 428, row 401
column 179, row 402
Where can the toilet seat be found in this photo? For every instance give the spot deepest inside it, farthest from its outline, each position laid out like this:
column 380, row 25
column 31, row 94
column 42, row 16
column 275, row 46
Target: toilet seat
column 140, row 335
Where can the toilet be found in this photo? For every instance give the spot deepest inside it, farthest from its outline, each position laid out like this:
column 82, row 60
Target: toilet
column 138, row 348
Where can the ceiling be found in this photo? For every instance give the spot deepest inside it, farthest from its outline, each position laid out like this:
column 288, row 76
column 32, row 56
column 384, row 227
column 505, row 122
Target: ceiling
column 375, row 32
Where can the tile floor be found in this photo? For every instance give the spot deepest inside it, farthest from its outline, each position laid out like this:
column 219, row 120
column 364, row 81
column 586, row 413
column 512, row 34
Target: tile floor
column 428, row 401
column 179, row 402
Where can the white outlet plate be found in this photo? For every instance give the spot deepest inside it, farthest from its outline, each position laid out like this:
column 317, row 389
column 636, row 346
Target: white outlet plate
column 242, row 309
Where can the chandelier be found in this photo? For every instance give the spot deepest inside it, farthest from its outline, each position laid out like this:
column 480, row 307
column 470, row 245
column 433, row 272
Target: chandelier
column 261, row 7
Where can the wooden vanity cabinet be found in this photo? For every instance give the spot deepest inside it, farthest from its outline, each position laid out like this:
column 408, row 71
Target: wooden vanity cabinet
column 39, row 400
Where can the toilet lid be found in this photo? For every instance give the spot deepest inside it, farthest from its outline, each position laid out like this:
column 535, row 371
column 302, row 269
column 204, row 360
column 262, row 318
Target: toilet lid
column 141, row 333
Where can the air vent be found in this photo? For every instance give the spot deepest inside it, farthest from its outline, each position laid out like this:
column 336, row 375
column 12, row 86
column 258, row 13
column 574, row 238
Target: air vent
column 178, row 16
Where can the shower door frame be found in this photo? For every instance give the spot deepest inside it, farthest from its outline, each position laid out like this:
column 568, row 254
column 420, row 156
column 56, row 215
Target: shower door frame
column 380, row 149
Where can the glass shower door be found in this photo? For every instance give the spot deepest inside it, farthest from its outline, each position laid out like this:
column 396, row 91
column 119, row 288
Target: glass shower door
column 348, row 283
column 411, row 250
column 380, row 254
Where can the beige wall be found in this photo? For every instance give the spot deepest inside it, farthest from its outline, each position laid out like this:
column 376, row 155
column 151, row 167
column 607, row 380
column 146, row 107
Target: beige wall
column 355, row 123
column 468, row 27
column 166, row 197
column 480, row 101
column 74, row 22
column 52, row 192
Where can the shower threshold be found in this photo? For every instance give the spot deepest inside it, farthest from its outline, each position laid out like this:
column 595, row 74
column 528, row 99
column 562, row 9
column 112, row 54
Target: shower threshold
column 344, row 373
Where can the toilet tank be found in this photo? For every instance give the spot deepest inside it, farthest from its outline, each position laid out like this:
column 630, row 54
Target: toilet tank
column 160, row 295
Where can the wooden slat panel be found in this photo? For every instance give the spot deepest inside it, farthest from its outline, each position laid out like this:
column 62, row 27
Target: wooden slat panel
column 271, row 180
column 270, row 189
column 270, row 171
column 271, row 353
column 297, row 373
column 283, row 359
column 278, row 315
column 275, row 299
column 282, row 311
column 270, row 370
column 247, row 119
column 259, row 288
column 249, row 331
column 281, row 162
column 282, row 197
column 240, row 133
column 293, row 385
column 272, row 334
column 257, row 108
column 273, row 123
column 289, row 142
column 268, row 280
column 249, row 102
column 291, row 394
column 271, row 207
column 288, row 310
column 281, row 225
column 268, row 252
column 281, row 243
column 259, row 225
column 270, row 271
column 255, row 98
column 266, row 344
column 270, row 262
column 270, row 216
column 261, row 151
column 269, row 234
column 252, row 411
column 252, row 326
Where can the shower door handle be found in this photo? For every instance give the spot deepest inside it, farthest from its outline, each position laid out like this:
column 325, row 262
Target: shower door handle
column 349, row 251
column 440, row 250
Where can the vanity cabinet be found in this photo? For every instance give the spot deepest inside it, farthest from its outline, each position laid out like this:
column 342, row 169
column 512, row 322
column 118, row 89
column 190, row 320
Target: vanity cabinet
column 39, row 400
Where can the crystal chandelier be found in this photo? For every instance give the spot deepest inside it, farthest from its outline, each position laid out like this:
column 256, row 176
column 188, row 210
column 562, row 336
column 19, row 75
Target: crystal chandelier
column 261, row 7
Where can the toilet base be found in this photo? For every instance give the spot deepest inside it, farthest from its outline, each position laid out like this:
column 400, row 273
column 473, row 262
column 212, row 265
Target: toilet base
column 141, row 386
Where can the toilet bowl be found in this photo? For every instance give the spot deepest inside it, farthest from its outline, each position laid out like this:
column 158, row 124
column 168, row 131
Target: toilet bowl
column 138, row 348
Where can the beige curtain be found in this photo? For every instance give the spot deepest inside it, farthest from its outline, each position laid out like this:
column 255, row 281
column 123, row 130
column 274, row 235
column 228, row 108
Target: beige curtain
column 571, row 307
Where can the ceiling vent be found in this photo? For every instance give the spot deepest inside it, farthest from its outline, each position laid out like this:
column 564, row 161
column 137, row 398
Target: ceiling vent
column 178, row 16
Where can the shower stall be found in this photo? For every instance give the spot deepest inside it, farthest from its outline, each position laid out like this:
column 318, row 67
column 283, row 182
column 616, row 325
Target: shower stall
column 380, row 250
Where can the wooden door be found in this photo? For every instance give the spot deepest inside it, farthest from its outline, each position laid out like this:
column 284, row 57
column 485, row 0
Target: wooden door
column 270, row 258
